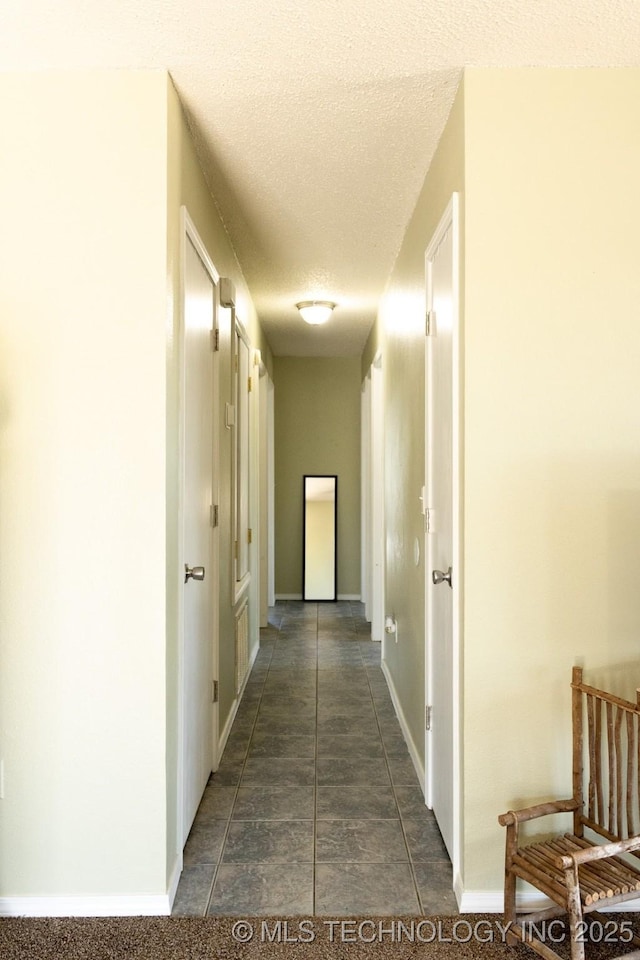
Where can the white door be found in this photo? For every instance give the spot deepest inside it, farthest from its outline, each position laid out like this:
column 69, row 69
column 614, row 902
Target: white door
column 442, row 569
column 198, row 661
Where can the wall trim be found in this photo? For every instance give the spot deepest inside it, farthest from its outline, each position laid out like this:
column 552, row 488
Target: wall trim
column 224, row 736
column 298, row 596
column 144, row 905
column 492, row 901
column 174, row 879
column 414, row 753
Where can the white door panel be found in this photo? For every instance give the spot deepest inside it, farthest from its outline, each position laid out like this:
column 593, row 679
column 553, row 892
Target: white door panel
column 441, row 569
column 198, row 651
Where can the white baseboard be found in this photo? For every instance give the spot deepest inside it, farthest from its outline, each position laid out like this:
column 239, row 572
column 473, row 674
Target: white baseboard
column 414, row 753
column 224, row 736
column 226, row 730
column 458, row 888
column 298, row 596
column 492, row 901
column 107, row 906
column 175, row 880
column 488, row 901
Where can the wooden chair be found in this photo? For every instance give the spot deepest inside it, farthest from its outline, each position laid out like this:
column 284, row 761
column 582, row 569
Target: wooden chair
column 582, row 874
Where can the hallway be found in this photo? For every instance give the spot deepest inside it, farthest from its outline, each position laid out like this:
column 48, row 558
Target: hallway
column 316, row 807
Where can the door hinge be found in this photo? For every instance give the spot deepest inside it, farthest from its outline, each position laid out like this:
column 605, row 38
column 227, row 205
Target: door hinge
column 430, row 326
column 427, row 717
column 214, row 691
column 214, row 514
column 249, row 385
column 215, row 339
column 429, row 520
column 249, row 535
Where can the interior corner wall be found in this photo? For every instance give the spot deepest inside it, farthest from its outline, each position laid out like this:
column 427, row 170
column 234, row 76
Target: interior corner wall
column 372, row 346
column 82, row 489
column 400, row 335
column 317, row 431
column 552, row 426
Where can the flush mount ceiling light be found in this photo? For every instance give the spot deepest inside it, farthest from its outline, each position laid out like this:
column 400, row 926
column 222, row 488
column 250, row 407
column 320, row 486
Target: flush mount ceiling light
column 315, row 311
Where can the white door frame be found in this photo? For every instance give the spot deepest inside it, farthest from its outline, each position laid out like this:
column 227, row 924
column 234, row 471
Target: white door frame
column 265, row 399
column 377, row 587
column 365, row 496
column 449, row 220
column 271, row 494
column 188, row 233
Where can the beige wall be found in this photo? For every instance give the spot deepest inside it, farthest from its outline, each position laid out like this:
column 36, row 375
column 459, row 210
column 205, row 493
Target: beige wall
column 317, row 431
column 547, row 162
column 82, row 483
column 552, row 421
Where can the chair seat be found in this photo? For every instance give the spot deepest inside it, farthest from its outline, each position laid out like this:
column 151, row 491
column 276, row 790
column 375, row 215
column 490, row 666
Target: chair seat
column 600, row 880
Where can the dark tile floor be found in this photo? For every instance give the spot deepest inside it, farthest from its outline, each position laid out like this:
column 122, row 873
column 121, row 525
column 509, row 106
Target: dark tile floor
column 316, row 808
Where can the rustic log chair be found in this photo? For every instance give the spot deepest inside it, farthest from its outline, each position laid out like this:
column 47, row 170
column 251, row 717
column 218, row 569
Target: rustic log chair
column 582, row 875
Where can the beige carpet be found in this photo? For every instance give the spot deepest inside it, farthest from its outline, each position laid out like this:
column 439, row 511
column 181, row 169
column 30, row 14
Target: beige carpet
column 470, row 937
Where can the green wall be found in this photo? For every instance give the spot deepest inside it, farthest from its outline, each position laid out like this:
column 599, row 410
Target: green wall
column 317, row 430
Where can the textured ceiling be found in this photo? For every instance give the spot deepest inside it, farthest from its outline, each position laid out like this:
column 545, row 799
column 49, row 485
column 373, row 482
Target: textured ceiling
column 316, row 120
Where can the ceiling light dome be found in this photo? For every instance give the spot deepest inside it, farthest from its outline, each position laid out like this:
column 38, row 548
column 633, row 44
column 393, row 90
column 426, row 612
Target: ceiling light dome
column 315, row 312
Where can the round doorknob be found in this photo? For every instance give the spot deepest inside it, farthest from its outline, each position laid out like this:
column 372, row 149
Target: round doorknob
column 439, row 576
column 193, row 573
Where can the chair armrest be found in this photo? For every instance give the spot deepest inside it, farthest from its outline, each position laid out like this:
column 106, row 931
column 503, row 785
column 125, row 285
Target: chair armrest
column 539, row 810
column 598, row 852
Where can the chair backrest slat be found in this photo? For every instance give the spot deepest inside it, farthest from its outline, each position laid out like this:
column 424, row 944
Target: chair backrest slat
column 632, row 751
column 611, row 767
column 598, row 707
column 619, row 787
column 606, row 761
column 593, row 757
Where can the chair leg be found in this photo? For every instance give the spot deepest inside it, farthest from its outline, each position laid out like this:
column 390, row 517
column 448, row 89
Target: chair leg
column 510, row 884
column 574, row 909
